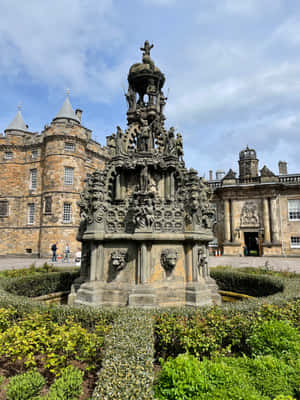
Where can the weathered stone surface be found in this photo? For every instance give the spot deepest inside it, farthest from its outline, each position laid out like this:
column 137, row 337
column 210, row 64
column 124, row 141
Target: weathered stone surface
column 145, row 219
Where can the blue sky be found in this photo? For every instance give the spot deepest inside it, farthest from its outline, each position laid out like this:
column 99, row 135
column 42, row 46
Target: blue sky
column 232, row 68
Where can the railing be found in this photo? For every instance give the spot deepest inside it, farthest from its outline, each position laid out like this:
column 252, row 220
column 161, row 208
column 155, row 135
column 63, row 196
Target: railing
column 292, row 178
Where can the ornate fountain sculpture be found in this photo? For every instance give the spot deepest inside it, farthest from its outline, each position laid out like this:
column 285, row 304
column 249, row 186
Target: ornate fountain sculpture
column 145, row 220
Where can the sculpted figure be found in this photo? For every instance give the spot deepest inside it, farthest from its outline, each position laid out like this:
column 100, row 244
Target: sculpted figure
column 168, row 260
column 119, row 141
column 131, row 99
column 202, row 262
column 146, row 54
column 170, row 147
column 144, row 179
column 145, row 137
column 111, row 143
column 179, row 146
column 119, row 259
column 151, row 91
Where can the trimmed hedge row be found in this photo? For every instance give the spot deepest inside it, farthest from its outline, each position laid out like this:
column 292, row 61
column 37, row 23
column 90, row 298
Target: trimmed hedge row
column 250, row 284
column 40, row 284
column 127, row 370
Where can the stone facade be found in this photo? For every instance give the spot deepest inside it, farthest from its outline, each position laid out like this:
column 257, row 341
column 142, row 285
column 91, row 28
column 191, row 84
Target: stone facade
column 257, row 213
column 34, row 189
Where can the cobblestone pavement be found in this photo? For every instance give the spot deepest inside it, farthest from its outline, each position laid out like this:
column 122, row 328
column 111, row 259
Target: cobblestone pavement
column 276, row 263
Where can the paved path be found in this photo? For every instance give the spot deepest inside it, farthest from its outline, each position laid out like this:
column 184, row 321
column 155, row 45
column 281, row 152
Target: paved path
column 291, row 264
column 277, row 263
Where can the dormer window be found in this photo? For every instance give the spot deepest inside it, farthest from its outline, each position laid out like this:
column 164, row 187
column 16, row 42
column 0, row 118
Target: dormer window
column 69, row 146
column 8, row 155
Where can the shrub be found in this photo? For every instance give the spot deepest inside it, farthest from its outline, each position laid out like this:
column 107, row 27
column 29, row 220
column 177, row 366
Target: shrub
column 40, row 284
column 37, row 340
column 127, row 368
column 269, row 375
column 25, row 386
column 68, row 386
column 274, row 337
column 186, row 378
column 250, row 284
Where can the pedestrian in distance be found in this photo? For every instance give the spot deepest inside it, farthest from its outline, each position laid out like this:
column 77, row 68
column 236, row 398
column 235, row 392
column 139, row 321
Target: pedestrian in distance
column 67, row 253
column 54, row 250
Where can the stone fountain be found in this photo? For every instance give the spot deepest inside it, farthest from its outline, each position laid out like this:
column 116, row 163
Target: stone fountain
column 145, row 219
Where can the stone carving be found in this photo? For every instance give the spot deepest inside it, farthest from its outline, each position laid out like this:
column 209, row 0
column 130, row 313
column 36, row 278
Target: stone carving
column 170, row 145
column 144, row 214
column 179, row 146
column 249, row 214
column 168, row 260
column 203, row 262
column 145, row 196
column 131, row 99
column 119, row 259
column 146, row 54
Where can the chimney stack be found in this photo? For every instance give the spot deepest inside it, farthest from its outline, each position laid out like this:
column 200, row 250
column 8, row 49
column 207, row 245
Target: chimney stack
column 78, row 113
column 282, row 166
column 210, row 175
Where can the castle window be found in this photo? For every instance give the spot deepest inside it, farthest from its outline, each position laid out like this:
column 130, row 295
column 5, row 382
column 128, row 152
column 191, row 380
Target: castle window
column 48, row 205
column 33, row 178
column 34, row 154
column 3, row 208
column 8, row 155
column 31, row 213
column 294, row 210
column 68, row 177
column 69, row 146
column 295, row 242
column 67, row 217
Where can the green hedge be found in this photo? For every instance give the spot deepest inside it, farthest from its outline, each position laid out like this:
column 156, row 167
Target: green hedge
column 39, row 285
column 250, row 284
column 127, row 370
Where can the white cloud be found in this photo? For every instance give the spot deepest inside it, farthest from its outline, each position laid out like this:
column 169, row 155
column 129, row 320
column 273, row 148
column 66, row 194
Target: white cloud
column 55, row 42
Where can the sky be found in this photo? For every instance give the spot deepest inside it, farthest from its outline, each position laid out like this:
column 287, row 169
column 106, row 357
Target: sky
column 232, row 70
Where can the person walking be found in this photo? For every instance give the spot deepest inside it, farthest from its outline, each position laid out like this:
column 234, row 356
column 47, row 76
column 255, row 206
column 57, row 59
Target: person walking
column 54, row 250
column 67, row 253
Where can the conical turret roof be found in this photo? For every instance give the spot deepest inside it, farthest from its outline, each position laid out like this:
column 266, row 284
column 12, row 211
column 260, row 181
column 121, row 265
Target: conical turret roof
column 66, row 111
column 17, row 124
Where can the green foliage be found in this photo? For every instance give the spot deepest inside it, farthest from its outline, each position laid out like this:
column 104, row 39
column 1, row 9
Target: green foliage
column 127, row 369
column 250, row 284
column 38, row 341
column 217, row 331
column 186, row 378
column 270, row 375
column 40, row 284
column 25, row 386
column 68, row 386
column 274, row 337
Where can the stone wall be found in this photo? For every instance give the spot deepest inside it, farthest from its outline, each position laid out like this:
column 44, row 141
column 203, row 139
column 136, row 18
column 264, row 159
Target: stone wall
column 17, row 235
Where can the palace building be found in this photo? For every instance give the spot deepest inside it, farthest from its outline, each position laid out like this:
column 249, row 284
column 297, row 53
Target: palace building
column 258, row 212
column 41, row 177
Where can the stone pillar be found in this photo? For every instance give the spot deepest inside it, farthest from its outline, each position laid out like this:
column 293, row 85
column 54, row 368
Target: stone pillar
column 144, row 263
column 172, row 185
column 118, row 187
column 227, row 221
column 234, row 221
column 188, row 262
column 100, row 263
column 93, row 262
column 275, row 235
column 266, row 221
